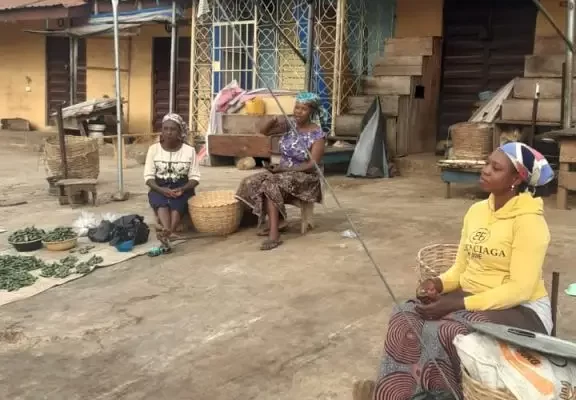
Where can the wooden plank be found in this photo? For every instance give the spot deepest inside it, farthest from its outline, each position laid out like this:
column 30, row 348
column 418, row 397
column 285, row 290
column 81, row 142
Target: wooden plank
column 521, row 110
column 348, row 125
column 562, row 195
column 550, row 88
column 411, row 46
column 387, row 85
column 239, row 124
column 240, row 145
column 544, row 66
column 361, row 104
column 548, row 45
column 567, row 151
column 400, row 60
column 391, row 138
column 567, row 179
column 397, row 70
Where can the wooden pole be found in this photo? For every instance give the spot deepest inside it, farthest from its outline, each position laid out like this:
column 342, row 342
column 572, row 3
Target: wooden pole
column 554, row 300
column 62, row 140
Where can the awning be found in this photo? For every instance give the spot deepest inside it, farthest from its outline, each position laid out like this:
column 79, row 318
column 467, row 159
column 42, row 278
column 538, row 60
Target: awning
column 91, row 30
column 157, row 14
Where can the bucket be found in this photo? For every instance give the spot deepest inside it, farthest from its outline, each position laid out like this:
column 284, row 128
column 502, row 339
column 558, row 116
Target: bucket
column 96, row 131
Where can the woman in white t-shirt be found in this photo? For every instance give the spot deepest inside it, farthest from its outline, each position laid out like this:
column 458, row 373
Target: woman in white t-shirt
column 172, row 174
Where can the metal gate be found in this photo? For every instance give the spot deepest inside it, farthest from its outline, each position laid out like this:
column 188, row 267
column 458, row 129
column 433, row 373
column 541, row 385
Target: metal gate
column 58, row 73
column 233, row 53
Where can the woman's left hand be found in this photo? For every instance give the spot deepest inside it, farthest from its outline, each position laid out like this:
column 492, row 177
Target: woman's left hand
column 275, row 169
column 440, row 308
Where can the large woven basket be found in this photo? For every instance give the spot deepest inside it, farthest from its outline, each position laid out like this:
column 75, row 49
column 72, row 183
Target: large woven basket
column 217, row 212
column 471, row 140
column 82, row 156
column 436, row 259
column 474, row 390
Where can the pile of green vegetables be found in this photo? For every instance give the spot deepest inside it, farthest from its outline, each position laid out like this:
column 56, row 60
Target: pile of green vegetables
column 59, row 234
column 15, row 271
column 30, row 234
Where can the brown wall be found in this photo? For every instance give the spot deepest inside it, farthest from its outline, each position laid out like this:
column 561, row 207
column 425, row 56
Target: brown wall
column 424, row 18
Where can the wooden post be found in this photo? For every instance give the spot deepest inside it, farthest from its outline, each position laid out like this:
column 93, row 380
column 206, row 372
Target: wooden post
column 62, row 140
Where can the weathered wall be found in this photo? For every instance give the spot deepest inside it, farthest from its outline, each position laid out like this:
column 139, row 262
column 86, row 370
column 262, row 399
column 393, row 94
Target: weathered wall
column 424, row 18
column 22, row 65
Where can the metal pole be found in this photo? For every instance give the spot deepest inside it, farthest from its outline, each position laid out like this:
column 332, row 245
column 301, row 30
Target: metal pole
column 119, row 118
column 310, row 47
column 73, row 69
column 62, row 141
column 569, row 75
column 173, row 39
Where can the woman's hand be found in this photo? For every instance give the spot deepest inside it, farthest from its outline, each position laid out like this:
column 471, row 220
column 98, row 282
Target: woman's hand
column 170, row 193
column 275, row 168
column 440, row 308
column 429, row 290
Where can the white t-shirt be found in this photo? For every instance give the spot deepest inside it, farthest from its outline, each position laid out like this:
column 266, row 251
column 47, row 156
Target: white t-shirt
column 171, row 166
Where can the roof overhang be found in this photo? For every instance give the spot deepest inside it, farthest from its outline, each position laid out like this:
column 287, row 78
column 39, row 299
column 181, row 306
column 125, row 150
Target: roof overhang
column 43, row 13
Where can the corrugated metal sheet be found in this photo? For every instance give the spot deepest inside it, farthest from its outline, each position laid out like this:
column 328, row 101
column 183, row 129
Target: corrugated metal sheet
column 16, row 4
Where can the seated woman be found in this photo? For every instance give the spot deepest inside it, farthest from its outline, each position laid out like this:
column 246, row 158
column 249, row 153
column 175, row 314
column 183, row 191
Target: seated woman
column 497, row 277
column 172, row 174
column 266, row 193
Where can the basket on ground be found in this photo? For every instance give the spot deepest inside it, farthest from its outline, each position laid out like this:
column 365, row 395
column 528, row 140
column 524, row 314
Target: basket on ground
column 217, row 212
column 436, row 259
column 471, row 140
column 474, row 390
column 82, row 156
column 61, row 245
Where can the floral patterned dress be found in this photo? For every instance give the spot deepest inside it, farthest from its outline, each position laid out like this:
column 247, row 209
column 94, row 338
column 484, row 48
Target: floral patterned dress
column 284, row 187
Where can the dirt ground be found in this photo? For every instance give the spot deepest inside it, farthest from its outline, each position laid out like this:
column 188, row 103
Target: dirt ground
column 220, row 320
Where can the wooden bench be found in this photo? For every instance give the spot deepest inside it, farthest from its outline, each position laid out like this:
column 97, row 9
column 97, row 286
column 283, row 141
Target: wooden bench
column 70, row 189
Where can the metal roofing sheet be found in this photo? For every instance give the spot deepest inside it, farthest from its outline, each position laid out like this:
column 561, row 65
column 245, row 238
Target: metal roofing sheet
column 16, row 4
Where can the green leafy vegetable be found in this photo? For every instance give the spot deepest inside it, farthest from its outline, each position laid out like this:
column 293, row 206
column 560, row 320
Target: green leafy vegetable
column 60, row 234
column 30, row 234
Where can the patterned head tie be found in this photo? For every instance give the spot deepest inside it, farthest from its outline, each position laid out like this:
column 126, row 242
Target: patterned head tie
column 318, row 115
column 180, row 122
column 532, row 167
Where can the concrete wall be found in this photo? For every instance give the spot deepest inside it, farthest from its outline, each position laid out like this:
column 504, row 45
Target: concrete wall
column 20, row 69
column 424, row 18
column 24, row 56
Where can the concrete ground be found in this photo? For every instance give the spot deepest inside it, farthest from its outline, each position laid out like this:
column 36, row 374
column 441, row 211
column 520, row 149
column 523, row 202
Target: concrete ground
column 220, row 320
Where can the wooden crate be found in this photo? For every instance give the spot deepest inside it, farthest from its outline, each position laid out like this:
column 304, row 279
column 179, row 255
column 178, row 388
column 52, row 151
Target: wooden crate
column 567, row 173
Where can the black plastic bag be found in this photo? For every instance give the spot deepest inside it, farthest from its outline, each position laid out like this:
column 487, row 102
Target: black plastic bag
column 101, row 234
column 129, row 227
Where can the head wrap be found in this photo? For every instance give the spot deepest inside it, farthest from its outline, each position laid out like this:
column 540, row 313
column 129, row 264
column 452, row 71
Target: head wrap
column 318, row 115
column 180, row 122
column 532, row 167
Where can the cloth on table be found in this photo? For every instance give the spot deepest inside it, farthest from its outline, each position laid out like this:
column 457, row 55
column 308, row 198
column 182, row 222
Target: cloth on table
column 407, row 369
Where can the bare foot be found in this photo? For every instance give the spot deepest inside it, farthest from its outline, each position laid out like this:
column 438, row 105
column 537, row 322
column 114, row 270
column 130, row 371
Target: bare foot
column 270, row 244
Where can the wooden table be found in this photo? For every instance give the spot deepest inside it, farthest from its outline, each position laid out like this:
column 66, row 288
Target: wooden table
column 68, row 188
column 459, row 172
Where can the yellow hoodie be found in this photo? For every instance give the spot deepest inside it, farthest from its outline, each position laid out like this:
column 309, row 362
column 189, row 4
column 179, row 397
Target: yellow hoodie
column 501, row 254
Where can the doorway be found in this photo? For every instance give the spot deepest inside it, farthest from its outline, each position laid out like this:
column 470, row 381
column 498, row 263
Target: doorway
column 485, row 44
column 161, row 79
column 58, row 73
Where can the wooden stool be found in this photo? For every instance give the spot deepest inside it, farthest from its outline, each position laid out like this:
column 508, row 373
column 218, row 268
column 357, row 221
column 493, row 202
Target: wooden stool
column 306, row 215
column 69, row 188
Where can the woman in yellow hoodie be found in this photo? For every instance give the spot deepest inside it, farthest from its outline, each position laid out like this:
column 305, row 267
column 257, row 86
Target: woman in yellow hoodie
column 497, row 277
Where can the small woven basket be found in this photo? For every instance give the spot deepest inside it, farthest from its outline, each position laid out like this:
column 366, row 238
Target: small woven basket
column 474, row 390
column 82, row 156
column 471, row 140
column 436, row 259
column 217, row 212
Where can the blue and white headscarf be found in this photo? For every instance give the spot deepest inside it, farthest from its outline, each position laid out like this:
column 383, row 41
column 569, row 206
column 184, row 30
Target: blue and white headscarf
column 532, row 167
column 319, row 115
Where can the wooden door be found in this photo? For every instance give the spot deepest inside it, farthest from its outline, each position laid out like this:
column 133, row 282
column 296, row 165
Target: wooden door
column 485, row 44
column 58, row 73
column 161, row 80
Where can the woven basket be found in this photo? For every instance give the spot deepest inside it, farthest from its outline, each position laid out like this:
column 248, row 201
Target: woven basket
column 474, row 390
column 471, row 140
column 216, row 212
column 82, row 156
column 436, row 259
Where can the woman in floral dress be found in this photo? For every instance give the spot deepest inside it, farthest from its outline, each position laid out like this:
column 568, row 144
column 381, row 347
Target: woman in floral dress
column 266, row 193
